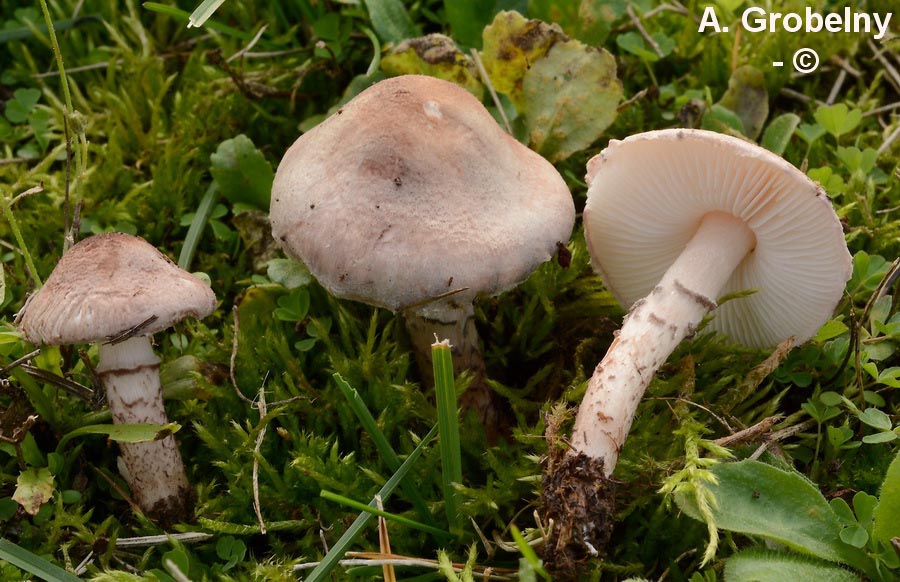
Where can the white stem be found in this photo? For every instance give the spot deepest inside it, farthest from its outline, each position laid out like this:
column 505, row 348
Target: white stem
column 651, row 331
column 153, row 469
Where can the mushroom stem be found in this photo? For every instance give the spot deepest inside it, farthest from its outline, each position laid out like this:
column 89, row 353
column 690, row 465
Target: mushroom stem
column 154, row 469
column 652, row 329
column 458, row 326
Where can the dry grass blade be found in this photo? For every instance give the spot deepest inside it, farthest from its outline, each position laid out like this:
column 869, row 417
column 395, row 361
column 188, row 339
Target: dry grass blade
column 384, row 543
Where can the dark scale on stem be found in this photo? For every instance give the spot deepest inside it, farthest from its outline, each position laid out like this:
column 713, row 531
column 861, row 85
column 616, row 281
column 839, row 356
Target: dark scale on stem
column 698, row 298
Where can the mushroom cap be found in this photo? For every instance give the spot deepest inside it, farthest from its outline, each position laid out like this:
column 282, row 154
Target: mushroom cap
column 411, row 191
column 648, row 193
column 108, row 284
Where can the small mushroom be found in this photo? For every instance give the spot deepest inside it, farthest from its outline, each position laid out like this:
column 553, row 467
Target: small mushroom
column 674, row 220
column 411, row 197
column 115, row 290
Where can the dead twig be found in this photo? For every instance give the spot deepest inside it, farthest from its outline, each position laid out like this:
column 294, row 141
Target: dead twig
column 751, row 433
column 249, row 46
column 482, row 72
column 256, row 453
column 66, row 384
column 643, row 31
column 130, row 332
column 5, row 370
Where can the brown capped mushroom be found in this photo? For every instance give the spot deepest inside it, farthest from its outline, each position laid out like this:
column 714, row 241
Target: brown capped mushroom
column 115, row 290
column 412, row 198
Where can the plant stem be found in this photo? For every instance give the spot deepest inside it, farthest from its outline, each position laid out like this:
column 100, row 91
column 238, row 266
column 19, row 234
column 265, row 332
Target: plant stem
column 14, row 226
column 51, row 32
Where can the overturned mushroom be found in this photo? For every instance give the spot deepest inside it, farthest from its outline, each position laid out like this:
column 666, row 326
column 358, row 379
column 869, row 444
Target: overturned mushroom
column 412, row 198
column 115, row 290
column 674, row 220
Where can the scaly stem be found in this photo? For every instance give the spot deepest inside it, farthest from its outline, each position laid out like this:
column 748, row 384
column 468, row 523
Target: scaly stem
column 651, row 331
column 154, row 470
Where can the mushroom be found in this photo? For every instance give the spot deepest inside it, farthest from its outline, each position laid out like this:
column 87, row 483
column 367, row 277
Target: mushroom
column 411, row 198
column 115, row 290
column 675, row 219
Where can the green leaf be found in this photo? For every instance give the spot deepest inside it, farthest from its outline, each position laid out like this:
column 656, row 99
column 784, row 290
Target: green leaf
column 881, row 310
column 33, row 564
column 305, row 345
column 722, row 120
column 590, row 21
column 770, row 566
column 855, row 536
column 230, row 549
column 294, row 306
column 858, row 160
column 837, row 119
column 864, row 506
column 886, row 516
column 633, row 43
column 842, row 511
column 23, row 101
column 570, row 97
column 879, row 437
column 830, row 398
column 288, row 272
column 831, row 330
column 876, row 419
column 810, row 132
column 34, row 487
column 434, row 55
column 758, row 499
column 391, row 20
column 512, row 43
column 746, row 96
column 124, row 433
column 242, row 172
column 779, row 132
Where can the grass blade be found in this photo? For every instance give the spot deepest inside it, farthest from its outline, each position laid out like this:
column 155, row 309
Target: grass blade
column 448, row 426
column 195, row 231
column 203, row 12
column 381, row 443
column 33, row 564
column 337, row 552
column 380, row 512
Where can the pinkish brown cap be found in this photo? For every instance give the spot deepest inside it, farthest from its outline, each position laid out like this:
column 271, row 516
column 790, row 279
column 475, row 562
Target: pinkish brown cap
column 108, row 284
column 648, row 193
column 412, row 190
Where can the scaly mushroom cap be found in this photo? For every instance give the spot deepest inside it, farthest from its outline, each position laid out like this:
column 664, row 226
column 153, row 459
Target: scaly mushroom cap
column 107, row 284
column 648, row 193
column 412, row 190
